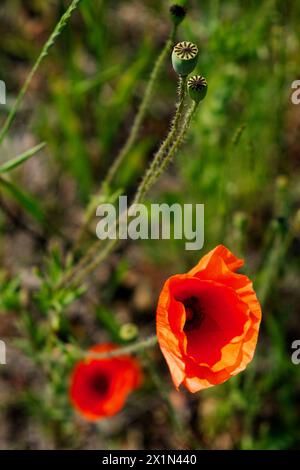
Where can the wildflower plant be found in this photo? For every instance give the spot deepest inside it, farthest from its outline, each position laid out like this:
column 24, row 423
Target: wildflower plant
column 58, row 291
column 207, row 319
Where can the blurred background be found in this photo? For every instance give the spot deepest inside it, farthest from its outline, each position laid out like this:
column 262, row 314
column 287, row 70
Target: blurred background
column 241, row 160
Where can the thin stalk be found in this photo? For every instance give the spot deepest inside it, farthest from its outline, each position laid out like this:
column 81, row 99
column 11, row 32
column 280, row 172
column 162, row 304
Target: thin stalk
column 141, row 347
column 137, row 347
column 134, row 132
column 165, row 146
column 163, row 149
column 21, row 158
column 92, row 259
column 92, row 254
column 133, row 135
column 157, row 159
column 44, row 52
column 92, row 264
column 147, row 183
column 177, row 144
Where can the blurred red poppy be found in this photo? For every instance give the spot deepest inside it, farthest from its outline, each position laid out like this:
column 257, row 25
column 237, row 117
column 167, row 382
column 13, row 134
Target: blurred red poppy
column 100, row 387
column 208, row 321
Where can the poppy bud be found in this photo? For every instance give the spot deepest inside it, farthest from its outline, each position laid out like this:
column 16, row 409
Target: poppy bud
column 184, row 57
column 128, row 332
column 177, row 13
column 197, row 87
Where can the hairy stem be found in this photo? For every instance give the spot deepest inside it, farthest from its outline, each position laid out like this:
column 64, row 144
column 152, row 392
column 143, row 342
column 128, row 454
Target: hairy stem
column 44, row 52
column 177, row 144
column 92, row 258
column 165, row 146
column 134, row 132
column 93, row 261
column 148, row 180
column 158, row 157
column 138, row 347
column 133, row 135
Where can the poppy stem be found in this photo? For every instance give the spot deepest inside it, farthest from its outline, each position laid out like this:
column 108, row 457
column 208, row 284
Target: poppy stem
column 138, row 347
column 167, row 152
column 167, row 143
column 88, row 263
column 93, row 258
column 178, row 142
column 133, row 135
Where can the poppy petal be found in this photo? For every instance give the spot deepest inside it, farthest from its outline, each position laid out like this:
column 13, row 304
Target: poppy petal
column 208, row 321
column 100, row 387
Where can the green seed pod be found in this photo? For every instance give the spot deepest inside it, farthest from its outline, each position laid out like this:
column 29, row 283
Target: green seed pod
column 129, row 331
column 197, row 87
column 184, row 57
column 177, row 13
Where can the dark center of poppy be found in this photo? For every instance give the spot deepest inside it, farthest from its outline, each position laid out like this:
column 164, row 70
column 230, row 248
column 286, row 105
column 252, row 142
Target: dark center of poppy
column 194, row 314
column 100, row 384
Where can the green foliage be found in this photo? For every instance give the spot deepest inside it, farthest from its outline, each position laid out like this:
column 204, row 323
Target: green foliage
column 9, row 294
column 20, row 159
column 240, row 159
column 28, row 203
column 49, row 297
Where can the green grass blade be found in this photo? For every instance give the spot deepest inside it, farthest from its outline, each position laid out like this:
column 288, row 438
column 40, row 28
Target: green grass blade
column 27, row 202
column 23, row 157
column 44, row 52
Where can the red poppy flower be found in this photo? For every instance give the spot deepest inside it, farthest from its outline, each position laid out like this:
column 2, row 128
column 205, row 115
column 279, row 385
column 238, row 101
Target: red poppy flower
column 208, row 321
column 100, row 387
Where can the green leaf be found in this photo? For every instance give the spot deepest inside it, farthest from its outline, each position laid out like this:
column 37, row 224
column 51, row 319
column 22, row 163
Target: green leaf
column 28, row 203
column 17, row 161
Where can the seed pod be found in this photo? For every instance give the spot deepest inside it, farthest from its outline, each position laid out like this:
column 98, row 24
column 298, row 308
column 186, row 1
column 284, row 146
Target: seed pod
column 177, row 13
column 184, row 57
column 197, row 87
column 129, row 331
